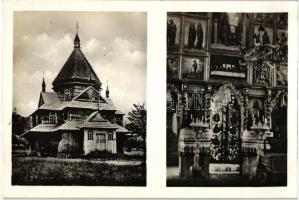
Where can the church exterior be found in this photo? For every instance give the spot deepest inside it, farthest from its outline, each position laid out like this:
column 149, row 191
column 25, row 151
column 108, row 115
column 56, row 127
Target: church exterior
column 227, row 95
column 76, row 119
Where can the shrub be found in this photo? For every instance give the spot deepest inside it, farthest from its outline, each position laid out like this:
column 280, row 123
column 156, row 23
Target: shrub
column 132, row 143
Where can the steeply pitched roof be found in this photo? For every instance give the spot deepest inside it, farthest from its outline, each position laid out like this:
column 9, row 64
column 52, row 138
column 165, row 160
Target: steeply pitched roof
column 49, row 101
column 95, row 120
column 76, row 67
column 50, row 97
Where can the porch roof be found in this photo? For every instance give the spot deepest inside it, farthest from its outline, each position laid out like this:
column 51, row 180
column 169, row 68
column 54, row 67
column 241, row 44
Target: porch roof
column 44, row 128
column 119, row 113
column 121, row 129
column 101, row 125
column 49, row 128
column 70, row 125
column 41, row 128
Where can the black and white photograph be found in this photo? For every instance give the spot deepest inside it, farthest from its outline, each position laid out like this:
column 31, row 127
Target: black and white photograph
column 173, row 33
column 227, row 29
column 192, row 68
column 194, row 34
column 228, row 126
column 173, row 66
column 227, row 66
column 263, row 34
column 149, row 99
column 79, row 98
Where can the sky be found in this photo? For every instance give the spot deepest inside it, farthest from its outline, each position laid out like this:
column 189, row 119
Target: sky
column 114, row 43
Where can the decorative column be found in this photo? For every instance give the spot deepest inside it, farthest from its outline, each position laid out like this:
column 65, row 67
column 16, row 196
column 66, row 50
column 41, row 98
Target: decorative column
column 245, row 92
column 208, row 105
column 267, row 106
column 250, row 73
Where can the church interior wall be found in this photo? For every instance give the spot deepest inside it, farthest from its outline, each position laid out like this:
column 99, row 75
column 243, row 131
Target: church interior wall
column 207, row 51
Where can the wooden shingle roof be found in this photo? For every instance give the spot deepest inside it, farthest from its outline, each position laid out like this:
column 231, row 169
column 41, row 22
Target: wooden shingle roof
column 76, row 69
column 95, row 120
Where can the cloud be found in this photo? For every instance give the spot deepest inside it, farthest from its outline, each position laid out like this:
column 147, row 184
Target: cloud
column 116, row 55
column 120, row 58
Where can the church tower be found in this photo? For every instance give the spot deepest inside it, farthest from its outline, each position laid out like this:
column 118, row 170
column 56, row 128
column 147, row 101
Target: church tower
column 76, row 74
column 107, row 92
column 43, row 85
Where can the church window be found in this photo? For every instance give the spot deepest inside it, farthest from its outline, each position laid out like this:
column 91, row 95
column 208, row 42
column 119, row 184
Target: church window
column 67, row 95
column 110, row 136
column 52, row 118
column 90, row 135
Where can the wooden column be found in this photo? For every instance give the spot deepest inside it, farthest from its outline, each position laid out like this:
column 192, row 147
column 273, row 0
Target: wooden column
column 245, row 92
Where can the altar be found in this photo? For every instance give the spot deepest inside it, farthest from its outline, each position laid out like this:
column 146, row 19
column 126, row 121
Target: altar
column 227, row 96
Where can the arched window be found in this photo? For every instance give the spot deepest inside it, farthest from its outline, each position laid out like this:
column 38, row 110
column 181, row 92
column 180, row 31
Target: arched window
column 67, row 95
column 90, row 135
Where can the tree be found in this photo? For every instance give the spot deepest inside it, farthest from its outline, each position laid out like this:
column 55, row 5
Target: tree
column 137, row 118
column 137, row 125
column 19, row 126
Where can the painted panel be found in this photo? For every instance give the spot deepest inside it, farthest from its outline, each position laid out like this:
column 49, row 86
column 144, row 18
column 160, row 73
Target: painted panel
column 172, row 66
column 195, row 34
column 173, row 33
column 193, row 68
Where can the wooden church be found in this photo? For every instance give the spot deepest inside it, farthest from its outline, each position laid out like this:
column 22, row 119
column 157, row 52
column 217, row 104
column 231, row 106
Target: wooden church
column 76, row 119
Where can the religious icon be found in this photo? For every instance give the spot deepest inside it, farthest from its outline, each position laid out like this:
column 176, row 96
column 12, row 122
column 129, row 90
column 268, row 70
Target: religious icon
column 192, row 68
column 216, row 117
column 262, row 35
column 256, row 112
column 282, row 42
column 172, row 67
column 195, row 34
column 283, row 19
column 227, row 29
column 282, row 74
column 173, row 33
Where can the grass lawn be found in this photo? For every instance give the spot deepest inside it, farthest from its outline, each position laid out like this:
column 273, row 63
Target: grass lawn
column 53, row 171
